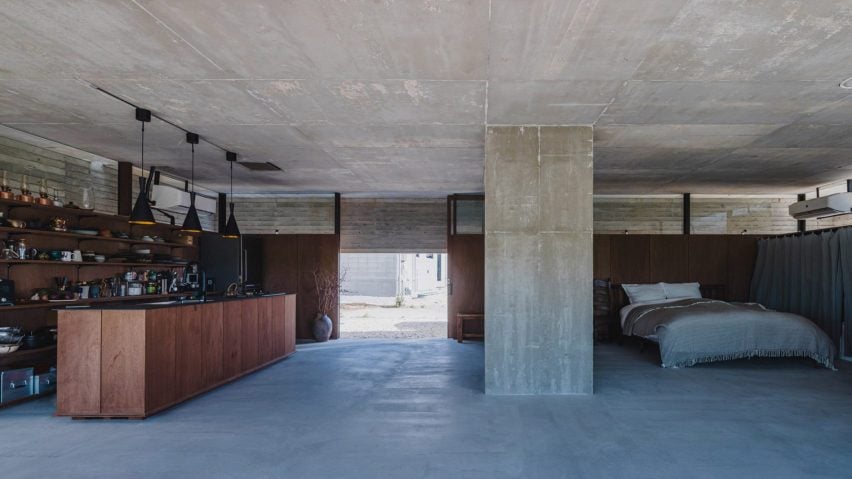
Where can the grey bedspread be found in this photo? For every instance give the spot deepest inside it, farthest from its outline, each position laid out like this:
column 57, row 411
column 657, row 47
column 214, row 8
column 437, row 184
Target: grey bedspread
column 693, row 331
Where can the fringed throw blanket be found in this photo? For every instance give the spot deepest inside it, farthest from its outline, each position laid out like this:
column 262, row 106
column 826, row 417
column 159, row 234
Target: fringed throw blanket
column 693, row 331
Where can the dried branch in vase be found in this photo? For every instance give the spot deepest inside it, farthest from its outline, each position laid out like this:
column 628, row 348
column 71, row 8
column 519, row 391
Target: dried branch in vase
column 328, row 286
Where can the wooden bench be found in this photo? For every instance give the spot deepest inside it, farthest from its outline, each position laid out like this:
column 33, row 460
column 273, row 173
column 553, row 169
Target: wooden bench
column 462, row 318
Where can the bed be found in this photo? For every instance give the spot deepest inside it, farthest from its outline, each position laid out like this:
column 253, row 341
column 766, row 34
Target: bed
column 692, row 326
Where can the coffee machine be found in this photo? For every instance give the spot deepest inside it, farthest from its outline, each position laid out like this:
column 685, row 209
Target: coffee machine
column 7, row 292
column 194, row 280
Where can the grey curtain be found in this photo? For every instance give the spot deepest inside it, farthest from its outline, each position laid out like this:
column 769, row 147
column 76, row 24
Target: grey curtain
column 810, row 275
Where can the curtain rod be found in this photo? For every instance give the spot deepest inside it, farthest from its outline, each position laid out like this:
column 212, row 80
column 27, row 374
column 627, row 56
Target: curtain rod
column 824, row 230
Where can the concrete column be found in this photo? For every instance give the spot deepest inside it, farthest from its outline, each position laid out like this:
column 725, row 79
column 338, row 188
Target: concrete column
column 538, row 260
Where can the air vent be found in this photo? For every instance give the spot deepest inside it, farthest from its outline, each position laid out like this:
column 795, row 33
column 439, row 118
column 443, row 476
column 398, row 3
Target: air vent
column 259, row 166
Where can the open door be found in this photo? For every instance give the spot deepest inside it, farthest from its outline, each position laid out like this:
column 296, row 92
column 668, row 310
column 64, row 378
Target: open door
column 465, row 258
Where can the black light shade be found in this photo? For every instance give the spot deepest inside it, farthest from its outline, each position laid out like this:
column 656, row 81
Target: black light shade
column 232, row 231
column 191, row 224
column 142, row 214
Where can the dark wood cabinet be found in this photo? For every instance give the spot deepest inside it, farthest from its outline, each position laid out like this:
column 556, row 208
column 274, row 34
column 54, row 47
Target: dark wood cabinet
column 212, row 341
column 232, row 362
column 248, row 344
column 188, row 355
column 265, row 330
column 136, row 362
column 160, row 358
column 289, row 318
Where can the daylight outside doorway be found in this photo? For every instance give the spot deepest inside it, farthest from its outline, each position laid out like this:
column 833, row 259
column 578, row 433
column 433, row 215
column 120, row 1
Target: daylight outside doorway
column 393, row 295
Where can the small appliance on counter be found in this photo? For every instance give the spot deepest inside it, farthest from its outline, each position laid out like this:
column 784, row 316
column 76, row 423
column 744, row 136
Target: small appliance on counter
column 194, row 280
column 253, row 290
column 7, row 292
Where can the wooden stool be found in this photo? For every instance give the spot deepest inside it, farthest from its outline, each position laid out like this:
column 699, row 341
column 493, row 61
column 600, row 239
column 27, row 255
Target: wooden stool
column 460, row 320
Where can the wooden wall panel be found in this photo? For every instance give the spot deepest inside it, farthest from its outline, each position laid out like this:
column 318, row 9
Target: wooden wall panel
column 212, row 340
column 248, row 343
column 709, row 263
column 742, row 255
column 290, row 324
column 726, row 260
column 466, row 274
column 79, row 362
column 669, row 259
column 630, row 259
column 232, row 329
column 279, row 327
column 265, row 330
column 602, row 257
column 290, row 261
column 160, row 358
column 189, row 358
column 122, row 363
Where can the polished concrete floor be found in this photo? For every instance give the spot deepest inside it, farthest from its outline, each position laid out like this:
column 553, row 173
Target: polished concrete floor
column 415, row 409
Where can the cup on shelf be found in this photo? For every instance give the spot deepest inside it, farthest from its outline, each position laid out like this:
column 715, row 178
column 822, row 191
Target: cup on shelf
column 67, row 256
column 77, row 255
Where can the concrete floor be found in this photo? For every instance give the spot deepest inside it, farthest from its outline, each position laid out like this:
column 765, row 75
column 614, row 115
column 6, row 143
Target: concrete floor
column 415, row 409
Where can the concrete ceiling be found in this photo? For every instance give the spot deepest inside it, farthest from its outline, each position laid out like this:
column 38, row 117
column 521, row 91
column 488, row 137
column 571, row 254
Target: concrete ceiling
column 392, row 96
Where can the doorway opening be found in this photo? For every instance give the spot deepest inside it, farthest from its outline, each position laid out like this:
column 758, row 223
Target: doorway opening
column 393, row 295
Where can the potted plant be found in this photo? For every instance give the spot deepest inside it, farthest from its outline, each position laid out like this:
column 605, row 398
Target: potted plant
column 328, row 287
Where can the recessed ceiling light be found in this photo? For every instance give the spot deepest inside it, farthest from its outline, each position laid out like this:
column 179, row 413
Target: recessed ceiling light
column 846, row 84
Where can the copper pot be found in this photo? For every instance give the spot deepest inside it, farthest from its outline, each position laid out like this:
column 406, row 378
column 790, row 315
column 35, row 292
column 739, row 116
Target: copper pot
column 26, row 198
column 6, row 195
column 44, row 201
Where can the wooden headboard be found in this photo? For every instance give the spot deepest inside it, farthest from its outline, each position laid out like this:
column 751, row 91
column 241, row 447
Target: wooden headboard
column 618, row 297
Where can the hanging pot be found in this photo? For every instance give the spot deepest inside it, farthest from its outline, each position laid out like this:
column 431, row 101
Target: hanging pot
column 322, row 328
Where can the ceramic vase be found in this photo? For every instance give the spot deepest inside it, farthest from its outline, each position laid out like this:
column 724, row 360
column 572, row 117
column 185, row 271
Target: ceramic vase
column 322, row 328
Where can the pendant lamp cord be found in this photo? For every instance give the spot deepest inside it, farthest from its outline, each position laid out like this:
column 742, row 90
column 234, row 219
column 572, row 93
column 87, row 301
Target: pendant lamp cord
column 193, row 167
column 143, row 149
column 232, row 181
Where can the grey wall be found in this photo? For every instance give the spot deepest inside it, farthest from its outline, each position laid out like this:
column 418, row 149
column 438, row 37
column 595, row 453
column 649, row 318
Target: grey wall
column 370, row 274
column 304, row 214
column 538, row 260
column 393, row 225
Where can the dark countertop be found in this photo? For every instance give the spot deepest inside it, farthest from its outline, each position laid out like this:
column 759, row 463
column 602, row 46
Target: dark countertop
column 164, row 303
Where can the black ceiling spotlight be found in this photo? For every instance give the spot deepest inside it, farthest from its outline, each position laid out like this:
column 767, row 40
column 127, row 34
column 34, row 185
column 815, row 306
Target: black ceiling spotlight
column 191, row 224
column 231, row 229
column 142, row 214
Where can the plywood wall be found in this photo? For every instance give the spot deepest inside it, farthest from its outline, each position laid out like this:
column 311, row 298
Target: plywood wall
column 708, row 259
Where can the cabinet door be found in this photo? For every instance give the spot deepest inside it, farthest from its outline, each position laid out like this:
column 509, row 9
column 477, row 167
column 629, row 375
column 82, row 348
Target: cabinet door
column 190, row 361
column 290, row 324
column 278, row 326
column 122, row 363
column 160, row 358
column 265, row 331
column 78, row 362
column 249, row 334
column 212, row 342
column 232, row 327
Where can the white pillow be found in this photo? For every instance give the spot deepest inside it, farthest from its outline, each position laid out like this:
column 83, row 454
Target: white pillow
column 642, row 293
column 682, row 290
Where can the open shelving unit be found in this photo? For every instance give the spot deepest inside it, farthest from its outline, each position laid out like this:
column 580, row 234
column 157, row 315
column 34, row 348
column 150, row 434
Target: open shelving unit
column 32, row 274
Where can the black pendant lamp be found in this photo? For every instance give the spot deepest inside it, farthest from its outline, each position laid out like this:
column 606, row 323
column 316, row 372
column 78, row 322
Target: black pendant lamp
column 231, row 229
column 142, row 214
column 191, row 224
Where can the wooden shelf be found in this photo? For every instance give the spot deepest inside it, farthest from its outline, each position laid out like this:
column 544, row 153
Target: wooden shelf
column 78, row 212
column 79, row 237
column 22, row 355
column 81, row 264
column 115, row 299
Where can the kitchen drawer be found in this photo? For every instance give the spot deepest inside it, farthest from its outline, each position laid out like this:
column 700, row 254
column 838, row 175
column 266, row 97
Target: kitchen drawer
column 16, row 384
column 45, row 383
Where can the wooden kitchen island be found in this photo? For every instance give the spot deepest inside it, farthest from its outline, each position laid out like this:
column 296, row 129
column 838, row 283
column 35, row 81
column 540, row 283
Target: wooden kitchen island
column 132, row 361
